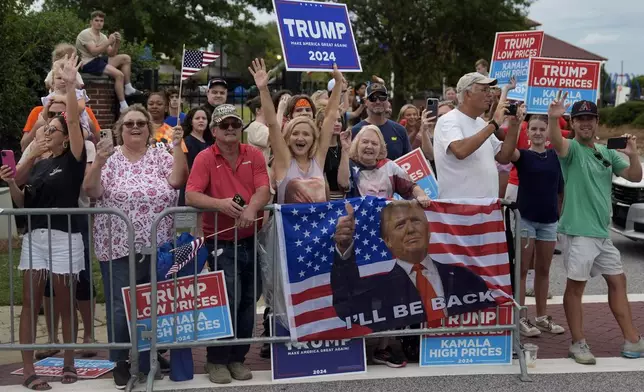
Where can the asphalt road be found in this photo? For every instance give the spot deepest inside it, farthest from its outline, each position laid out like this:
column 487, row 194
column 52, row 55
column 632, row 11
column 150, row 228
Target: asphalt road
column 589, row 382
column 632, row 258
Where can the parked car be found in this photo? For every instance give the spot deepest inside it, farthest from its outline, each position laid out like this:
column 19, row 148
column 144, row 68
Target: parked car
column 628, row 208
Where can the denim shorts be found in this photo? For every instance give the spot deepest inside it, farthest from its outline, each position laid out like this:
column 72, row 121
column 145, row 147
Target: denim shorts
column 539, row 231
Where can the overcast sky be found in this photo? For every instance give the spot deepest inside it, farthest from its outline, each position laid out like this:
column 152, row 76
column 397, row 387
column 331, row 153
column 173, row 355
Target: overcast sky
column 610, row 28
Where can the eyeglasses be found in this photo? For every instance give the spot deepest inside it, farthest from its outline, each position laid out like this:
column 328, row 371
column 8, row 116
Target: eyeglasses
column 601, row 158
column 374, row 98
column 51, row 115
column 485, row 90
column 132, row 124
column 225, row 124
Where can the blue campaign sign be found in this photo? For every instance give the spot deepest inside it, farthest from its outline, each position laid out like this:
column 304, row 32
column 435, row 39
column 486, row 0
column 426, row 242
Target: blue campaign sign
column 316, row 35
column 297, row 360
column 213, row 319
column 463, row 349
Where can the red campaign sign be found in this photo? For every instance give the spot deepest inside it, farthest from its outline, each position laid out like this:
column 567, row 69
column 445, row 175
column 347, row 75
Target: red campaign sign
column 487, row 317
column 517, row 45
column 415, row 165
column 210, row 293
column 564, row 74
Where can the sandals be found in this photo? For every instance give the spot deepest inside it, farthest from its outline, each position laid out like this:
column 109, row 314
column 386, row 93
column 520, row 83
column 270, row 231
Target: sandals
column 69, row 375
column 35, row 383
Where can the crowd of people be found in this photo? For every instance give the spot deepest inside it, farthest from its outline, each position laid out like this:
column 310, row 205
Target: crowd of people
column 335, row 144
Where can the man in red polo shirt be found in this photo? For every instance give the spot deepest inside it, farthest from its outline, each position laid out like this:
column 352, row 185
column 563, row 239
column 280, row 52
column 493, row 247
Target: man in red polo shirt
column 219, row 174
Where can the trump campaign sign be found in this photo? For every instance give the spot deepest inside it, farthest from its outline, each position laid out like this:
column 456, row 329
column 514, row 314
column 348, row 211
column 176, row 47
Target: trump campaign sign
column 415, row 164
column 212, row 318
column 580, row 78
column 316, row 35
column 316, row 358
column 511, row 56
column 470, row 348
column 85, row 368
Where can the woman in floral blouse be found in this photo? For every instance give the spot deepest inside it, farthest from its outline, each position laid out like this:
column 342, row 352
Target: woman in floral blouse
column 141, row 180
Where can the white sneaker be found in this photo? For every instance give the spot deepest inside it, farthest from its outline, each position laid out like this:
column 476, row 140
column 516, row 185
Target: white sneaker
column 527, row 329
column 546, row 324
column 580, row 352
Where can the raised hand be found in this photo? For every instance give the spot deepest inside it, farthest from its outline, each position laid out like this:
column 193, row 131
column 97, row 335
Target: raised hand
column 512, row 85
column 501, row 112
column 631, row 145
column 7, row 174
column 345, row 228
column 427, row 123
column 258, row 70
column 558, row 105
column 337, row 75
column 69, row 69
column 177, row 135
column 345, row 140
column 104, row 149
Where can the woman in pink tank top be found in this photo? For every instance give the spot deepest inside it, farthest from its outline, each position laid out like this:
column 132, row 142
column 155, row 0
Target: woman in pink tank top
column 300, row 153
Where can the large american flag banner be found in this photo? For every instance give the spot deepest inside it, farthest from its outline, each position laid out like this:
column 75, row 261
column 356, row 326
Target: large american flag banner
column 468, row 233
column 196, row 60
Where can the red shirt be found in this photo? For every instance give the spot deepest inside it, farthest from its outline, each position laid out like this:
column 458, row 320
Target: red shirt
column 212, row 175
column 523, row 142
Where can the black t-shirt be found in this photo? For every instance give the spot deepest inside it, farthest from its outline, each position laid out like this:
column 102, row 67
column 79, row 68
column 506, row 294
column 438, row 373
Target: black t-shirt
column 194, row 146
column 541, row 183
column 56, row 183
column 331, row 165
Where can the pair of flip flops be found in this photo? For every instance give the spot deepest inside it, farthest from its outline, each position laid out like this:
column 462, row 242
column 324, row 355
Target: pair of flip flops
column 35, row 383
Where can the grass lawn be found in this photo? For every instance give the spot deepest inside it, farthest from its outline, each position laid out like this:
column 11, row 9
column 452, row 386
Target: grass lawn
column 5, row 264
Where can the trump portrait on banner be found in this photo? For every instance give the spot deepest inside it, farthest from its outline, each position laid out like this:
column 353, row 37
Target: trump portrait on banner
column 416, row 289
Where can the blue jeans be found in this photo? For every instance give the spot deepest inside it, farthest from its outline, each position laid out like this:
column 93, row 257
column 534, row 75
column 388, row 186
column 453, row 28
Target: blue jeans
column 120, row 279
column 244, row 302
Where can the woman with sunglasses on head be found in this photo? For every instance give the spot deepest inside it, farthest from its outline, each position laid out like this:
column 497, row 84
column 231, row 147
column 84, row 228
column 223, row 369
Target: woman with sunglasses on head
column 54, row 182
column 141, row 180
column 300, row 153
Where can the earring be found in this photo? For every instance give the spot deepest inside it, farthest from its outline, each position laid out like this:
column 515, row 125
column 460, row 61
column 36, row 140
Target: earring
column 65, row 145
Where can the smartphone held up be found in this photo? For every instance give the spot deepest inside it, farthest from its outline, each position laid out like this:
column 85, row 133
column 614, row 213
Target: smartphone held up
column 617, row 143
column 8, row 159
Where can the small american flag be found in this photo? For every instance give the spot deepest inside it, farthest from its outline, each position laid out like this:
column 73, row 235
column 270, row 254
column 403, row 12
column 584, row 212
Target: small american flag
column 184, row 254
column 196, row 60
column 468, row 233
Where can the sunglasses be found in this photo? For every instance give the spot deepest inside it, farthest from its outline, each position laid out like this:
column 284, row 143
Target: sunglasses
column 50, row 129
column 381, row 98
column 51, row 115
column 601, row 158
column 225, row 124
column 132, row 124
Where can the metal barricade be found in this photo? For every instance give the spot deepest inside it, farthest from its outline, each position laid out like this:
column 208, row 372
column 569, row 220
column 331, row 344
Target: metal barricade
column 152, row 334
column 70, row 213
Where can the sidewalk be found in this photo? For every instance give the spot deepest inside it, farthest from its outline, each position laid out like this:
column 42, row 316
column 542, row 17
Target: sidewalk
column 602, row 334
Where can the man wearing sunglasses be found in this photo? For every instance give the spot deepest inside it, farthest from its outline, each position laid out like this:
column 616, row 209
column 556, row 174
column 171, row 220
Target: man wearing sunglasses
column 588, row 251
column 232, row 178
column 395, row 134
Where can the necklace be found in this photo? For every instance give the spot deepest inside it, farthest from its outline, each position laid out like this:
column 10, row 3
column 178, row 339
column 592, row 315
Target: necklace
column 335, row 150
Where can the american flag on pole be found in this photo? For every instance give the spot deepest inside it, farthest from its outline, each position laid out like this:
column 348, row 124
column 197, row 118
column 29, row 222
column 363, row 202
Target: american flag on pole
column 468, row 233
column 196, row 60
column 184, row 254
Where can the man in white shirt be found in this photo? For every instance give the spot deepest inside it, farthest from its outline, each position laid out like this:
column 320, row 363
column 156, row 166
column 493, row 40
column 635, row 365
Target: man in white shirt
column 465, row 148
column 257, row 131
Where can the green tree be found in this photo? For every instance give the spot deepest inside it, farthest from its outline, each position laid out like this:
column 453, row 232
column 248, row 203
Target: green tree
column 421, row 42
column 27, row 40
column 167, row 25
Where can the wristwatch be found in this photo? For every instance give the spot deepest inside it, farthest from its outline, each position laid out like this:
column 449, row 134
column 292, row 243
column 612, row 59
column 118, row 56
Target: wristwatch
column 496, row 126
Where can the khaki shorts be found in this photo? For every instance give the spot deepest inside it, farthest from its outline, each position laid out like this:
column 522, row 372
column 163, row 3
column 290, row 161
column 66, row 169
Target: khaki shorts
column 587, row 257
